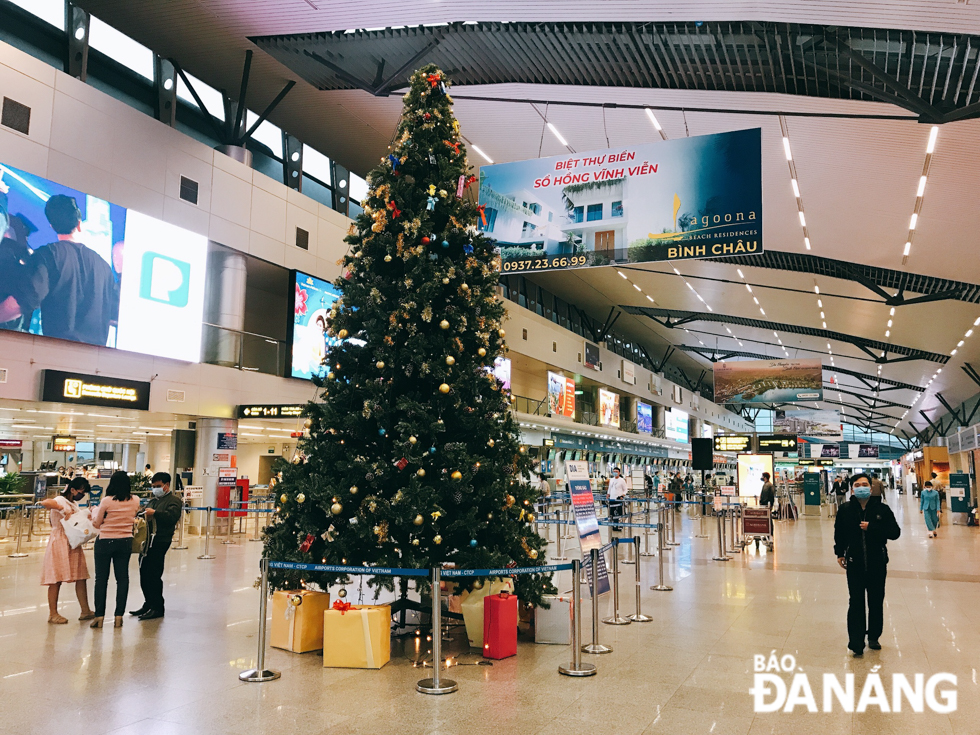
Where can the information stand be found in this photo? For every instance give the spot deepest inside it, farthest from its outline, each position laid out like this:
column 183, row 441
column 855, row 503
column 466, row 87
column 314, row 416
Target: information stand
column 583, row 504
column 959, row 495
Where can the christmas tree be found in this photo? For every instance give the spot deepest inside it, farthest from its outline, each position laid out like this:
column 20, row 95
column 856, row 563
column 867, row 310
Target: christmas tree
column 412, row 457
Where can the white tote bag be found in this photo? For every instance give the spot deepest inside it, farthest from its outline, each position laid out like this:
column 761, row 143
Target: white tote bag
column 78, row 526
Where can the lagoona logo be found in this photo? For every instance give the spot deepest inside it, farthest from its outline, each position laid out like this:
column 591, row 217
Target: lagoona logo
column 774, row 691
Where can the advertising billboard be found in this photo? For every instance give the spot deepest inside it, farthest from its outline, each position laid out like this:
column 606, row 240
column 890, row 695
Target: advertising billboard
column 312, row 299
column 676, row 425
column 62, row 271
column 809, row 422
column 561, row 395
column 697, row 197
column 501, row 371
column 768, row 381
column 867, row 451
column 608, row 408
column 644, row 417
column 750, row 469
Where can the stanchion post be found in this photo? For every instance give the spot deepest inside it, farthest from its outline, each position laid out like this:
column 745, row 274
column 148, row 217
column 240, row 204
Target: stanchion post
column 436, row 685
column 229, row 528
column 616, row 618
column 258, row 514
column 260, row 672
column 660, row 586
column 576, row 667
column 630, row 559
column 180, row 531
column 672, row 513
column 561, row 536
column 18, row 554
column 701, row 533
column 207, row 538
column 638, row 616
column 721, row 539
column 646, row 533
column 595, row 646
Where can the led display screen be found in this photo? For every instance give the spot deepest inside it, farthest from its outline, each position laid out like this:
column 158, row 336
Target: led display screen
column 312, row 299
column 76, row 267
column 644, row 417
column 561, row 395
column 608, row 408
column 676, row 425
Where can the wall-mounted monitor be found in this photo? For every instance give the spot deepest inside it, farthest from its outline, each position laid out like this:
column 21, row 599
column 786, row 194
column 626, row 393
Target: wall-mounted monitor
column 308, row 340
column 676, row 425
column 591, row 356
column 76, row 267
column 608, row 408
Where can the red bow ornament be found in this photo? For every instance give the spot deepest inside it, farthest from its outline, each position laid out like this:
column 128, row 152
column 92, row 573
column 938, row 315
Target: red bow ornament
column 342, row 606
column 433, row 79
column 395, row 211
column 481, row 210
column 454, row 145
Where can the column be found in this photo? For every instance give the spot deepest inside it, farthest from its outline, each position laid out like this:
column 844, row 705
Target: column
column 228, row 274
column 217, row 448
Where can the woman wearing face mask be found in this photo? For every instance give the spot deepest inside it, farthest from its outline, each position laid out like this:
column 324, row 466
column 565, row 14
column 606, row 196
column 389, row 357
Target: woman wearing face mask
column 61, row 562
column 929, row 508
column 863, row 527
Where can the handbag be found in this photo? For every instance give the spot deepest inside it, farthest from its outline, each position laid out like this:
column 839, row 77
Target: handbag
column 140, row 535
column 78, row 528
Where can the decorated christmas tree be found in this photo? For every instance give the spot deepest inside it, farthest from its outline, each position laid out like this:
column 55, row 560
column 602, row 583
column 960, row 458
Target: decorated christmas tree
column 412, row 457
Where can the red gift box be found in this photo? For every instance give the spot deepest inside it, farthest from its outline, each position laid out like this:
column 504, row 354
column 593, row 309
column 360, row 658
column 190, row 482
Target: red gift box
column 500, row 626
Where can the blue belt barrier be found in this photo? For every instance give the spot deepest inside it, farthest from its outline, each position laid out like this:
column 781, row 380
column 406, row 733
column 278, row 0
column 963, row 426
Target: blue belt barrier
column 233, row 510
column 346, row 569
column 505, row 572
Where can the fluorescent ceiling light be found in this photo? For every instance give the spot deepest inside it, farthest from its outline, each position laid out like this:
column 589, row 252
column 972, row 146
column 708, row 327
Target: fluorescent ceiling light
column 889, row 323
column 653, row 119
column 749, row 288
column 816, row 288
column 806, row 241
column 555, row 132
column 637, row 287
column 740, row 274
column 933, row 134
column 789, row 153
column 908, row 247
column 485, row 156
column 922, row 186
column 796, row 188
column 915, row 218
column 650, row 299
column 802, row 218
column 892, row 312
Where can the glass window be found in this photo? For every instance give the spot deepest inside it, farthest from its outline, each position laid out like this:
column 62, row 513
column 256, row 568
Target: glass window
column 315, row 190
column 51, row 11
column 267, row 134
column 316, row 164
column 528, row 230
column 551, row 216
column 211, row 97
column 491, row 214
column 120, row 47
column 617, row 209
column 578, row 214
column 548, row 303
column 594, row 213
column 358, row 188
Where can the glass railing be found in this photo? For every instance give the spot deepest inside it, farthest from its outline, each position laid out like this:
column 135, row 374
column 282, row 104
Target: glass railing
column 243, row 350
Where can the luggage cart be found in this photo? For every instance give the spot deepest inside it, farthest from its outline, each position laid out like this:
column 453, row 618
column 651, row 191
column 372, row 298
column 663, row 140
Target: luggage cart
column 757, row 526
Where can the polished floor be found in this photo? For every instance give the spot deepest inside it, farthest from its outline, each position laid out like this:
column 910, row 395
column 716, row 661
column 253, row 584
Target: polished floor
column 689, row 671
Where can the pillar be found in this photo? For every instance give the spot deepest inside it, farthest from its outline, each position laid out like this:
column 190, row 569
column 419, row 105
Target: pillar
column 214, row 436
column 228, row 274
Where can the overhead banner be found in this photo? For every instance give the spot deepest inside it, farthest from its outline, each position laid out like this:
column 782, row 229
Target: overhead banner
column 809, row 423
column 561, row 395
column 583, row 505
column 768, row 381
column 697, row 197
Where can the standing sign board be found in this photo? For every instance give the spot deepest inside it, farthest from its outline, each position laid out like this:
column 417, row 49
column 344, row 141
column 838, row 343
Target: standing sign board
column 583, row 504
column 811, row 488
column 959, row 492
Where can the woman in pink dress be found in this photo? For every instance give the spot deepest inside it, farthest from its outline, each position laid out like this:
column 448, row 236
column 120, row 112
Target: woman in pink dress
column 61, row 562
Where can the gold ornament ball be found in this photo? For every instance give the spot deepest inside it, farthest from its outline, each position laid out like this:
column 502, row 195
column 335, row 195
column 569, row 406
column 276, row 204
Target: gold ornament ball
column 444, row 324
column 308, row 423
column 450, row 360
column 336, row 508
column 464, row 287
column 457, row 475
column 387, row 259
column 419, row 520
column 478, row 585
column 445, row 281
column 412, row 440
column 444, row 388
column 415, row 542
column 283, row 498
column 523, row 450
column 421, row 472
column 342, row 593
column 481, row 352
column 301, row 498
column 510, row 500
column 330, row 376
column 342, row 334
column 490, row 443
column 533, row 554
column 353, row 490
column 437, row 539
column 502, row 333
column 380, row 365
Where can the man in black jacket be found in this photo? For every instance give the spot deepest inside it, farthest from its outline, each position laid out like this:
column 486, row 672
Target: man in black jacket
column 162, row 516
column 863, row 527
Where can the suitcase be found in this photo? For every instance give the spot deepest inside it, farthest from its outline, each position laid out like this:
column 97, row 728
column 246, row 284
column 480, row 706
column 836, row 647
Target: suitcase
column 554, row 625
column 500, row 626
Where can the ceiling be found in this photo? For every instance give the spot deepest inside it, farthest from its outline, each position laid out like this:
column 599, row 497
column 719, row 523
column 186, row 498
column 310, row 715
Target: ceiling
column 858, row 164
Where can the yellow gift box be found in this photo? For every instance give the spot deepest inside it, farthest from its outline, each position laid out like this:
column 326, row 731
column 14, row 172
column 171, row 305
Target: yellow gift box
column 298, row 628
column 359, row 638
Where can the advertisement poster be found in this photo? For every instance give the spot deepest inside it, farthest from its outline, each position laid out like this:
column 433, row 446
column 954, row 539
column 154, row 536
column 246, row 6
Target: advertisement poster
column 591, row 353
column 697, row 197
column 124, row 279
column 561, row 395
column 824, row 451
column 583, row 504
column 644, row 417
column 809, row 422
column 608, row 408
column 676, row 425
column 628, row 372
column 750, row 469
column 501, row 371
column 227, row 441
column 768, row 381
column 312, row 299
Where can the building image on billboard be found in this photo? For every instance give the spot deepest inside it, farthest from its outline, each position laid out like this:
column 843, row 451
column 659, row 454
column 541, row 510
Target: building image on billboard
column 696, row 197
column 768, row 381
column 77, row 267
column 644, row 417
column 809, row 423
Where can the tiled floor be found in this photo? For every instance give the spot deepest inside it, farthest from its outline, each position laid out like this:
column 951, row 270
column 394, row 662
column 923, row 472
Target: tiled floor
column 689, row 671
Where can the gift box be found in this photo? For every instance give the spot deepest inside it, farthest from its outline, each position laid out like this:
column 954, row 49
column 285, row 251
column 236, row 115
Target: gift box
column 297, row 620
column 472, row 608
column 358, row 637
column 500, row 626
column 554, row 625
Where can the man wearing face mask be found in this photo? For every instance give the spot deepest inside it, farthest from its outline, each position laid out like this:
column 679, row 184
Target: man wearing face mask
column 863, row 527
column 162, row 516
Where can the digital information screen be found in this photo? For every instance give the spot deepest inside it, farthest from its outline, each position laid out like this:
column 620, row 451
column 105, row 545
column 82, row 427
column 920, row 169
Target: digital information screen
column 777, row 442
column 732, row 442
